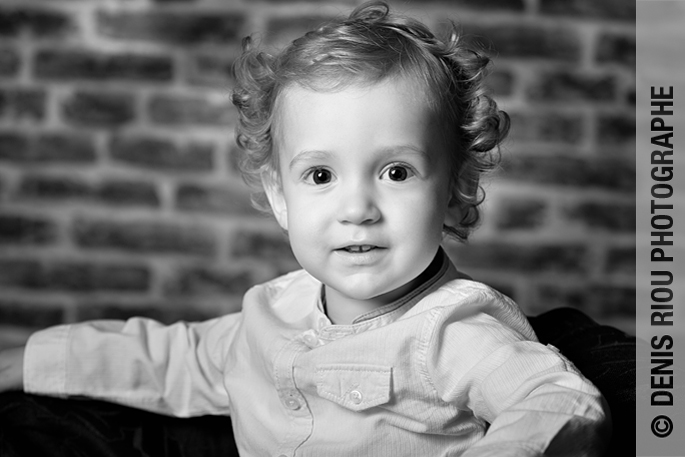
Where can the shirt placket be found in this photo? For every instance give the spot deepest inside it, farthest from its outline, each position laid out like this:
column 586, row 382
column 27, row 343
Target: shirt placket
column 293, row 402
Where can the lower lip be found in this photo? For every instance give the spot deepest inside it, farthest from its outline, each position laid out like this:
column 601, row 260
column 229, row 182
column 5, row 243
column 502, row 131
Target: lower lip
column 361, row 258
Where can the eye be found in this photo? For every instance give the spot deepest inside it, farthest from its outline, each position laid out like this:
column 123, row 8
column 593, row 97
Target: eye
column 398, row 173
column 320, row 176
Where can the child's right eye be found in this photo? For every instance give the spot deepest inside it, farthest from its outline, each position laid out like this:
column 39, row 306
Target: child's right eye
column 320, row 176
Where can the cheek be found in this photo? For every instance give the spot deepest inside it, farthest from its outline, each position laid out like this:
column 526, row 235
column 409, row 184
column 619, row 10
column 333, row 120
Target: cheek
column 303, row 224
column 422, row 217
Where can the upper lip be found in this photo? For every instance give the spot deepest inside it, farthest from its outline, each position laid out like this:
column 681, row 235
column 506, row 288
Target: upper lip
column 358, row 244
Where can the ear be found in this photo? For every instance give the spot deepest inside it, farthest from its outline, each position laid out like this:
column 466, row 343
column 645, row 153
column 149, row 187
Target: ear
column 454, row 211
column 274, row 193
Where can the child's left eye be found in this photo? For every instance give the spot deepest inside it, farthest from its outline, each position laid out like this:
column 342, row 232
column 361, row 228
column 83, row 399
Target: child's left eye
column 318, row 176
column 398, row 173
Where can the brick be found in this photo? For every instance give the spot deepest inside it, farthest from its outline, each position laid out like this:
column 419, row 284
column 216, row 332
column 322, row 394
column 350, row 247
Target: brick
column 527, row 41
column 501, row 83
column 213, row 199
column 9, row 62
column 550, row 296
column 175, row 110
column 53, row 187
column 547, row 127
column 160, row 312
column 99, row 109
column 210, row 70
column 128, row 193
column 621, row 260
column 504, row 288
column 144, row 237
column 233, row 157
column 113, row 192
column 630, row 97
column 40, row 23
column 25, row 230
column 73, row 276
column 596, row 300
column 28, row 314
column 602, row 173
column 605, row 9
column 23, row 103
column 616, row 129
column 63, row 147
column 70, row 64
column 613, row 217
column 616, row 49
column 205, row 281
column 283, row 30
column 573, row 86
column 179, row 28
column 47, row 147
column 272, row 247
column 280, row 2
column 520, row 214
column 613, row 300
column 521, row 258
column 14, row 147
column 159, row 154
column 508, row 5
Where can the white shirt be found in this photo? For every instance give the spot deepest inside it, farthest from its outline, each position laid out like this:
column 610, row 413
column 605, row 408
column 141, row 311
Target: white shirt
column 427, row 375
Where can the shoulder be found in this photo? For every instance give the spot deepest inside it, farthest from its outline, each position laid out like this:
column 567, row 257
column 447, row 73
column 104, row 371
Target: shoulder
column 469, row 323
column 463, row 303
column 293, row 286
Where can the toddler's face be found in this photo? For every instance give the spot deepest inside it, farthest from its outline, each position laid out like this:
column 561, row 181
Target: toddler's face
column 365, row 186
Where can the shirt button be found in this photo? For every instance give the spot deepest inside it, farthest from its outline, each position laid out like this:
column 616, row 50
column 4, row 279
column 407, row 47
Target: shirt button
column 356, row 397
column 291, row 402
column 311, row 340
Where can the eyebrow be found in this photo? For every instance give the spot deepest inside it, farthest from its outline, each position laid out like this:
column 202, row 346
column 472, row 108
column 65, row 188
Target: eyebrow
column 406, row 149
column 317, row 154
column 306, row 155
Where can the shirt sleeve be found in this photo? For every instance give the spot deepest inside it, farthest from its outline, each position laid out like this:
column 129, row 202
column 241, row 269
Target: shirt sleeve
column 175, row 370
column 535, row 401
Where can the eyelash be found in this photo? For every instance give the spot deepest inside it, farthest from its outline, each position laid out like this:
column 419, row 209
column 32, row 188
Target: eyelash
column 409, row 169
column 310, row 173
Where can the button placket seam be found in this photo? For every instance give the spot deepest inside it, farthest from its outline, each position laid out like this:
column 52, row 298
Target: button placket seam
column 293, row 439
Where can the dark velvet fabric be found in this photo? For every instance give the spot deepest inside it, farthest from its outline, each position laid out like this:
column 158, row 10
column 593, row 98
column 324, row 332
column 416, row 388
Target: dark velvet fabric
column 32, row 426
column 606, row 356
column 36, row 426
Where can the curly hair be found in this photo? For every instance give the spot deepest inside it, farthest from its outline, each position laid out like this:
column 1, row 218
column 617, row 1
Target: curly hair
column 370, row 46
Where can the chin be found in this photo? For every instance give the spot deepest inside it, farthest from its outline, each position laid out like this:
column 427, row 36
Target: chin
column 359, row 292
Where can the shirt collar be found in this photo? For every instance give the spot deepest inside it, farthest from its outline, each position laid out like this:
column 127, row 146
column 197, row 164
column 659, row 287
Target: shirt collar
column 438, row 272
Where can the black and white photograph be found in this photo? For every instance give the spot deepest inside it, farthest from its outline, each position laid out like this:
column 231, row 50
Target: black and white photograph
column 327, row 228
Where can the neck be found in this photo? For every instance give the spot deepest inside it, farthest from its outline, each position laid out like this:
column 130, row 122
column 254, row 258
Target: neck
column 343, row 310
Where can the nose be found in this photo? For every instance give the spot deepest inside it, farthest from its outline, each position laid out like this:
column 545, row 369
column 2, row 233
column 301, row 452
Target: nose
column 358, row 205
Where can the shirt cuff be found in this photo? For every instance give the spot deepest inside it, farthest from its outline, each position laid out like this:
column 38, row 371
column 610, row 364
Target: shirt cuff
column 45, row 361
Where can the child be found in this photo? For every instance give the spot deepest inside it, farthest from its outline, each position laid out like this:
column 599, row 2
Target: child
column 367, row 137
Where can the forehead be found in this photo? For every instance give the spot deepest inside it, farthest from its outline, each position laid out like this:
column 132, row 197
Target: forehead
column 400, row 88
column 358, row 115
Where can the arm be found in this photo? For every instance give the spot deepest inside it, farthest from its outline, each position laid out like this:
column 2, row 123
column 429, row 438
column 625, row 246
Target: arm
column 537, row 404
column 174, row 369
column 534, row 400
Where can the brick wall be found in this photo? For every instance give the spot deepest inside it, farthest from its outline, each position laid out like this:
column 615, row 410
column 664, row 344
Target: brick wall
column 118, row 188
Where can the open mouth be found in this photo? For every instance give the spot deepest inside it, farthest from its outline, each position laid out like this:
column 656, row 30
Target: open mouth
column 359, row 249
